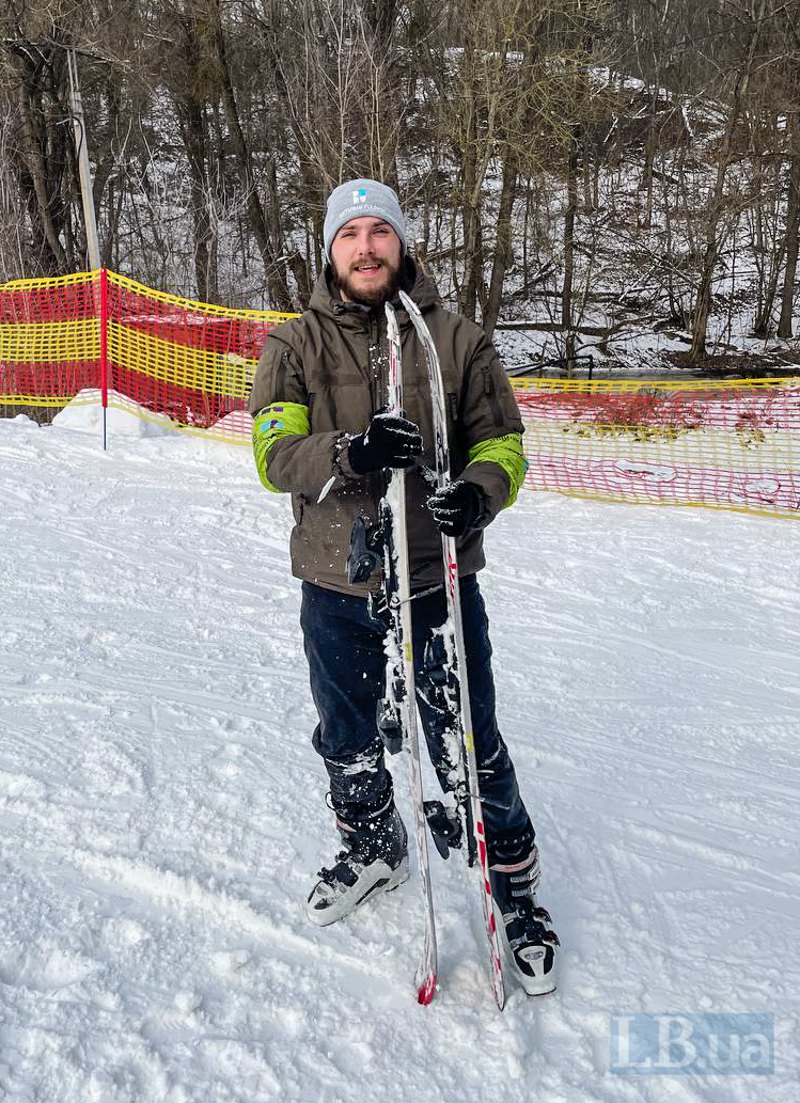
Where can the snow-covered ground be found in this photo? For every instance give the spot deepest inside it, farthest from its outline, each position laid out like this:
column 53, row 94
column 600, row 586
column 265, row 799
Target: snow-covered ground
column 162, row 811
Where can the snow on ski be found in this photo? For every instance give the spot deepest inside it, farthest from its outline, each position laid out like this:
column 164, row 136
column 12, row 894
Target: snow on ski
column 400, row 658
column 455, row 645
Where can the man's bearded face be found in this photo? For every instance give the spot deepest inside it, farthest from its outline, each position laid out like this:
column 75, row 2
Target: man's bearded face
column 366, row 255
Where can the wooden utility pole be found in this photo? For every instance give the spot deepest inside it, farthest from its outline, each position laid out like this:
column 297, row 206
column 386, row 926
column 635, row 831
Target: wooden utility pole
column 84, row 169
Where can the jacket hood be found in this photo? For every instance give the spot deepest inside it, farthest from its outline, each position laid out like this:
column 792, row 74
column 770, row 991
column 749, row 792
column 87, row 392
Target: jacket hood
column 325, row 298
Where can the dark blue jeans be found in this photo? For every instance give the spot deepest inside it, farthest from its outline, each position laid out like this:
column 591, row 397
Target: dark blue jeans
column 344, row 648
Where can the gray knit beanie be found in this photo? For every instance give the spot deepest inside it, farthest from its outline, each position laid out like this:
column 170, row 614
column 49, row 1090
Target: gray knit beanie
column 357, row 198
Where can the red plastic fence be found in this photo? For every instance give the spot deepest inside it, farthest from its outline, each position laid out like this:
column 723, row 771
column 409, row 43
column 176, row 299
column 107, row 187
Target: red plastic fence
column 100, row 337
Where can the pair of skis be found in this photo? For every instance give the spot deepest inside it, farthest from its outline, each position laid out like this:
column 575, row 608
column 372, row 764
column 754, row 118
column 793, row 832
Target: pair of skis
column 399, row 710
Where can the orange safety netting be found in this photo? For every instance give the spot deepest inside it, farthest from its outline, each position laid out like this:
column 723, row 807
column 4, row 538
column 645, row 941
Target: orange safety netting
column 98, row 336
column 731, row 445
column 49, row 339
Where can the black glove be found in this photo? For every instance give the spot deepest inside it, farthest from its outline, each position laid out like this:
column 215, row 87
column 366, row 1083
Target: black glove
column 458, row 507
column 388, row 441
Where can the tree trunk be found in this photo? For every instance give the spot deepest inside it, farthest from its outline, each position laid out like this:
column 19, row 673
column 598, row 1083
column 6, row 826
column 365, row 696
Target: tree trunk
column 275, row 270
column 713, row 241
column 470, row 216
column 792, row 233
column 192, row 124
column 44, row 202
column 503, row 252
column 380, row 16
column 569, row 247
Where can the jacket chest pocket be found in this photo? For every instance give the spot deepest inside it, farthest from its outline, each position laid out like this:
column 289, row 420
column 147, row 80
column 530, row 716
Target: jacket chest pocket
column 346, row 408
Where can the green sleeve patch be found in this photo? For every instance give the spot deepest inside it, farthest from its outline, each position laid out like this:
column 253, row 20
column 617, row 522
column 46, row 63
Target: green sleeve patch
column 273, row 423
column 507, row 453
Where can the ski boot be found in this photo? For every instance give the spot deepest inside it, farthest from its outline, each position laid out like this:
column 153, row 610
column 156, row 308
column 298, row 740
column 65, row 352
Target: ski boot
column 374, row 860
column 525, row 928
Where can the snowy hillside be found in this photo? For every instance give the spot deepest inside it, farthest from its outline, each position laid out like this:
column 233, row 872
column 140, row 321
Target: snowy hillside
column 162, row 811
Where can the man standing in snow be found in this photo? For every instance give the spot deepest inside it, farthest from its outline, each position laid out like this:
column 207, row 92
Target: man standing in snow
column 317, row 399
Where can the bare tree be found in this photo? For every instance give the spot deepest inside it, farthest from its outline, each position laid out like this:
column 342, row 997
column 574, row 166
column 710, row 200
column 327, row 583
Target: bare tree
column 792, row 229
column 587, row 158
column 34, row 75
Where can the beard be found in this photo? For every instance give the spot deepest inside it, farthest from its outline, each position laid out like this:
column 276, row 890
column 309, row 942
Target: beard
column 375, row 295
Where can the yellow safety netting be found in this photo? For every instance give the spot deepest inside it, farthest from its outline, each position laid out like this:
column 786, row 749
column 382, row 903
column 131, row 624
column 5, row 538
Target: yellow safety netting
column 101, row 336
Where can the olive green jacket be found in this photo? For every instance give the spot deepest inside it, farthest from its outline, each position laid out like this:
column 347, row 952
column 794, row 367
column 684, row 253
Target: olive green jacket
column 324, row 375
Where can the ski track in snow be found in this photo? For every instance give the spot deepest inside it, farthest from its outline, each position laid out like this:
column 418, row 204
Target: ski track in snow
column 162, row 812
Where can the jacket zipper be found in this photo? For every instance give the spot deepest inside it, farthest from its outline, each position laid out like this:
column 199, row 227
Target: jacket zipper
column 378, row 380
column 491, row 394
column 375, row 364
column 280, row 378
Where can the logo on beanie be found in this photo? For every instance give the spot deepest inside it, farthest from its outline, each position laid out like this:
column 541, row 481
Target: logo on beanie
column 360, row 196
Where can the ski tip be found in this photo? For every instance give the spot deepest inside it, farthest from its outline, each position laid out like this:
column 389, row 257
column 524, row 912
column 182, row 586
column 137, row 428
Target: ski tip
column 427, row 990
column 408, row 303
